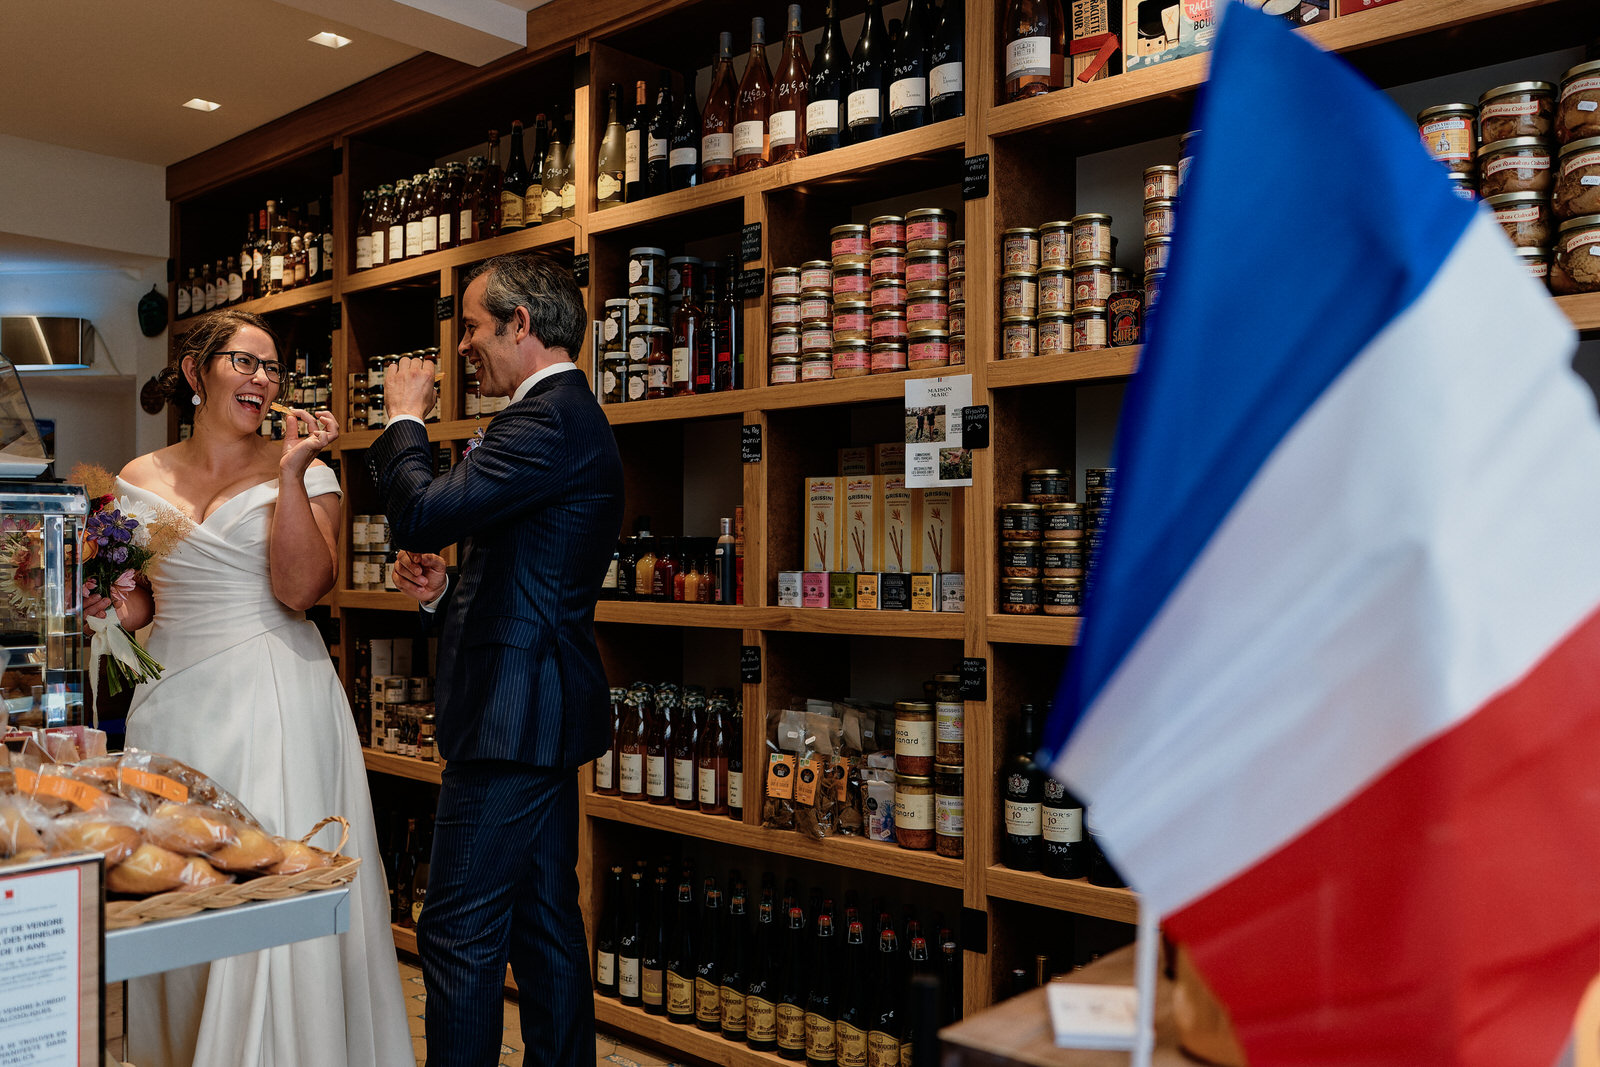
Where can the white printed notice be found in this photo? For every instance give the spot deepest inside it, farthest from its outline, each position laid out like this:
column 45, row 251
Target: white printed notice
column 40, row 928
column 934, row 455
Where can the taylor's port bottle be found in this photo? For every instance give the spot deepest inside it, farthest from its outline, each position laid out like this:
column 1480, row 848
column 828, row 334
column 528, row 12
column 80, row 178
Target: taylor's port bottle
column 628, row 941
column 852, row 1025
column 607, row 936
column 760, row 1002
column 711, row 759
column 1066, row 855
column 829, row 86
column 865, row 104
column 908, row 77
column 888, row 980
column 658, row 146
column 716, row 123
column 822, row 1049
column 786, row 124
column 1022, row 790
column 683, row 758
column 753, row 108
column 610, row 167
column 683, row 154
column 680, row 958
column 513, row 187
column 605, row 767
column 708, row 964
column 947, row 95
column 653, row 944
column 631, row 748
column 731, row 977
column 792, row 990
column 634, row 177
column 1034, row 34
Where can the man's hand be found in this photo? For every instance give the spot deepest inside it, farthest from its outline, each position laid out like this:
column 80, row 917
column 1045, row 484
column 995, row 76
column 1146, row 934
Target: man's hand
column 420, row 575
column 408, row 388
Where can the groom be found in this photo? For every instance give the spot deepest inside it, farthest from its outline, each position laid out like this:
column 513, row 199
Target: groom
column 536, row 509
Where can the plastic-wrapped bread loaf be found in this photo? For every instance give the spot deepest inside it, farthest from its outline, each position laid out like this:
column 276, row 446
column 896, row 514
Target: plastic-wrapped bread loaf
column 151, row 869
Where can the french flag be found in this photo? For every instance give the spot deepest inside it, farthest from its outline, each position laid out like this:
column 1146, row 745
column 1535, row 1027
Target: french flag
column 1337, row 700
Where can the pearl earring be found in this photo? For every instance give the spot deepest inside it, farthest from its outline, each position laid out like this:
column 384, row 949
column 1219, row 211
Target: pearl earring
column 195, row 400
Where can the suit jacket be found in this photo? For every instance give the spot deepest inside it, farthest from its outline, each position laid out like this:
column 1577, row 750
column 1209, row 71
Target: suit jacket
column 536, row 509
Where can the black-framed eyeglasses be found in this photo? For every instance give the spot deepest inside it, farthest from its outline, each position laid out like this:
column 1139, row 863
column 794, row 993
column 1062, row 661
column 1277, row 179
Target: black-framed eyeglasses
column 247, row 362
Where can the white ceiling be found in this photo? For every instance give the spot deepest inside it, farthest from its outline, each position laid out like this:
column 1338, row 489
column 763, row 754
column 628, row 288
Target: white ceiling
column 110, row 76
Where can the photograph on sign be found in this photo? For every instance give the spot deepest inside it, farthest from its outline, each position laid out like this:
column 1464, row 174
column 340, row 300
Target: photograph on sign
column 934, row 452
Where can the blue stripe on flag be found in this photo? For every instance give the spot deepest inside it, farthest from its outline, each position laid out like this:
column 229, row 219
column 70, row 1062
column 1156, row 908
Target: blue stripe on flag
column 1311, row 218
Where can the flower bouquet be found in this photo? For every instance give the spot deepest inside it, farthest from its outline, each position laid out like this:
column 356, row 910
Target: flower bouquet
column 122, row 538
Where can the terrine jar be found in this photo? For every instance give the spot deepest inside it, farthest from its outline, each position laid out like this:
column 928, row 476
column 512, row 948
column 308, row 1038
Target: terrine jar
column 1055, row 333
column 1578, row 104
column 1019, row 249
column 913, row 737
column 1575, row 267
column 849, row 244
column 1524, row 216
column 1449, row 133
column 1578, row 185
column 1019, row 337
column 913, row 812
column 927, row 269
column 1019, row 596
column 1514, row 165
column 1520, row 109
column 1091, row 237
column 1021, row 522
column 929, row 228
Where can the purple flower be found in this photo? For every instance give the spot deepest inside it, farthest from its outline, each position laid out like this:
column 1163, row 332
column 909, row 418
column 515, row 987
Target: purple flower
column 119, row 554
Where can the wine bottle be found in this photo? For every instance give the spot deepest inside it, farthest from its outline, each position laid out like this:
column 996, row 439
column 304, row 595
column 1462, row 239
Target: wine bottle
column 705, row 351
column 711, row 759
column 716, row 123
column 628, row 942
column 751, row 148
column 908, row 79
column 247, row 277
column 550, row 180
column 607, row 936
column 683, row 154
column 864, row 108
column 830, row 84
column 852, row 1025
column 258, row 255
column 1102, row 871
column 1034, row 33
column 610, row 167
column 760, row 1008
column 708, row 964
column 569, row 171
column 488, row 223
column 791, row 91
column 631, row 749
column 687, row 322
column 731, row 978
column 514, row 186
column 736, row 762
column 427, row 220
column 471, row 192
column 235, row 286
column 683, row 758
column 658, row 145
column 680, row 958
column 605, row 766
column 947, row 97
column 533, row 198
column 419, row 879
column 729, row 370
column 822, row 1049
column 1065, row 854
column 883, row 1037
column 405, row 876
column 950, row 982
column 1022, row 787
column 653, row 944
column 449, row 205
column 634, row 187
column 658, row 738
column 792, row 990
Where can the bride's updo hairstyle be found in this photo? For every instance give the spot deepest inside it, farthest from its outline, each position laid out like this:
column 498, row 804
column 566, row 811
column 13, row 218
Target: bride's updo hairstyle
column 209, row 335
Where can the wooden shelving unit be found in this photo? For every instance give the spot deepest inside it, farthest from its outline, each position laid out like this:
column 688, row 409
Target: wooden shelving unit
column 1032, row 145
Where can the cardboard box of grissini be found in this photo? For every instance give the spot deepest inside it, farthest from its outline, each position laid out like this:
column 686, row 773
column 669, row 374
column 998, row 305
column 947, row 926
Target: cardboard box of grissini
column 1155, row 32
column 938, row 528
column 824, row 531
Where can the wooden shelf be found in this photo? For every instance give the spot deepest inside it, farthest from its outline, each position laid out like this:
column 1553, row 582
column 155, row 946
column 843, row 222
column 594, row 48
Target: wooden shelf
column 546, row 235
column 853, row 852
column 266, row 305
column 1066, row 368
column 1063, row 894
column 705, row 406
column 456, row 430
column 709, row 616
column 1034, row 629
column 1583, row 310
column 845, row 390
column 405, row 940
column 681, row 202
column 931, row 625
column 612, row 1014
column 403, row 766
column 374, row 599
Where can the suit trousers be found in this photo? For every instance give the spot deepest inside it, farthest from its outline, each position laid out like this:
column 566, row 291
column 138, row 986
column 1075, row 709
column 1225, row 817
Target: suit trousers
column 502, row 887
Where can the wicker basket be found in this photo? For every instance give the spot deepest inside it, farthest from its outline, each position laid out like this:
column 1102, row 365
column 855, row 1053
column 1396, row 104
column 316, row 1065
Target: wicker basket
column 178, row 903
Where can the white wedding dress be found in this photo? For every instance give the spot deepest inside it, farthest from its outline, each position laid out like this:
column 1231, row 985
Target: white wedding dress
column 250, row 697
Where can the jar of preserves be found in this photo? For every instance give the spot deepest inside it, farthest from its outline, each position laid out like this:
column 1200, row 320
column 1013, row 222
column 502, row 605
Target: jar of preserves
column 913, row 812
column 886, row 231
column 853, row 281
column 1160, row 183
column 1021, row 522
column 1514, row 165
column 888, row 356
column 1578, row 103
column 958, row 317
column 816, row 366
column 889, row 294
column 1449, row 133
column 783, row 370
column 1521, row 109
column 1019, row 249
column 1091, row 237
column 1091, row 284
column 1062, row 596
column 949, row 713
column 926, row 349
column 929, row 227
column 848, row 244
column 927, row 269
column 1061, row 559
column 949, row 811
column 1055, row 333
column 958, row 255
column 1018, row 337
column 1157, row 253
column 1047, row 485
column 958, row 286
column 816, row 306
column 647, row 266
column 614, row 377
column 1578, row 185
column 1019, row 293
column 657, row 342
column 1089, row 329
column 785, row 281
column 1055, row 245
column 1019, row 559
column 1537, row 262
column 852, row 321
column 928, row 309
column 816, row 274
column 889, row 326
column 638, row 370
column 1153, row 281
column 784, row 311
column 1159, row 216
column 647, row 306
column 1524, row 216
column 1062, row 520
column 816, row 337
column 852, row 360
column 614, row 322
column 913, row 737
column 785, row 341
column 1575, row 267
column 888, row 262
column 1055, row 289
column 958, row 349
column 1019, row 596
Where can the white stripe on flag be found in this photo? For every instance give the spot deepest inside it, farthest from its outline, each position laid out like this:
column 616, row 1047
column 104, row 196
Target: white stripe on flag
column 1382, row 576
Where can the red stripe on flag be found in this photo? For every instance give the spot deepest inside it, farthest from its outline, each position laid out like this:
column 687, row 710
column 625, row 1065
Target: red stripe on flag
column 1448, row 914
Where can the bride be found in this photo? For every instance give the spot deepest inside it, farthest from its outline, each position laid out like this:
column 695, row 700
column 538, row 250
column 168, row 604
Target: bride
column 250, row 697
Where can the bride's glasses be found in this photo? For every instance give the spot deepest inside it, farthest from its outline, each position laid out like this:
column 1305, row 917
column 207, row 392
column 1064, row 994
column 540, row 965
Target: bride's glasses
column 247, row 362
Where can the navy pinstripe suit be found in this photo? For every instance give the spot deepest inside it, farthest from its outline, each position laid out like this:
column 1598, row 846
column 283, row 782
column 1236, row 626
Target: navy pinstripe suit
column 522, row 702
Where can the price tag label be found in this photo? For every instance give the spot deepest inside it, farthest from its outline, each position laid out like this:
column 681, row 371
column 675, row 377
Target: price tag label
column 751, row 284
column 446, row 308
column 580, row 269
column 335, row 316
column 750, row 444
column 750, row 664
column 750, row 242
column 975, row 177
column 975, row 426
column 974, row 678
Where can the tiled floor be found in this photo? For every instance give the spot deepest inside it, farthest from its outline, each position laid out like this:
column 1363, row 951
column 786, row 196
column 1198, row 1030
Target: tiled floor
column 608, row 1050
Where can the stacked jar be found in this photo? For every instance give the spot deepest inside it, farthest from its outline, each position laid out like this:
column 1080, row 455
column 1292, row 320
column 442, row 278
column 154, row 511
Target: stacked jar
column 647, row 325
column 1575, row 267
column 1128, row 307
column 880, row 302
column 369, row 554
column 1047, row 540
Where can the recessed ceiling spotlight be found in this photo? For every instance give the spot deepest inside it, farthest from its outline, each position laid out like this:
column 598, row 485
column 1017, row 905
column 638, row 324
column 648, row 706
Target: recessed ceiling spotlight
column 202, row 105
column 329, row 40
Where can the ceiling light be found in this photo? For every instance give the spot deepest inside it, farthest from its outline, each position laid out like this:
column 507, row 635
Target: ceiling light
column 202, row 105
column 329, row 40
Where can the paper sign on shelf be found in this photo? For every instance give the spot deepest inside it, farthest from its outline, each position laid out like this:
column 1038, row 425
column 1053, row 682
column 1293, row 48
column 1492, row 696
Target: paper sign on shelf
column 934, row 454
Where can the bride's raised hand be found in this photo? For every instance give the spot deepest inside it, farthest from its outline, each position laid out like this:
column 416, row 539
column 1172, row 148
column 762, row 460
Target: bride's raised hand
column 321, row 431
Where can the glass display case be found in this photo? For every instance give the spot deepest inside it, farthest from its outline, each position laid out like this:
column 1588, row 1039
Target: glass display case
column 41, row 602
